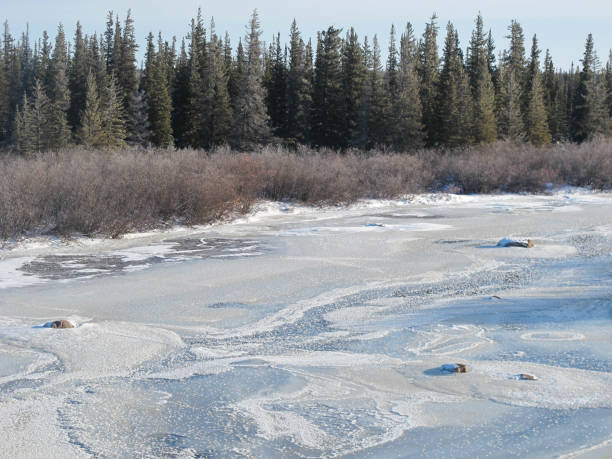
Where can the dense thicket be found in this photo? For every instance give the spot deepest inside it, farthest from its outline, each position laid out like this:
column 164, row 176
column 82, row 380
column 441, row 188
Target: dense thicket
column 338, row 92
column 118, row 190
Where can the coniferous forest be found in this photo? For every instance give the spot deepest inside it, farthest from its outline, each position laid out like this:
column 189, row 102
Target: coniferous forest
column 336, row 92
column 95, row 142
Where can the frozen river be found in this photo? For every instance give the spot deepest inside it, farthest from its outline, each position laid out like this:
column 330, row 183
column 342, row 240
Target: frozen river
column 300, row 332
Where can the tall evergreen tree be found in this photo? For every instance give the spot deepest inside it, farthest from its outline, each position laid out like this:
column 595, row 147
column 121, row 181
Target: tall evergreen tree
column 59, row 95
column 550, row 85
column 250, row 116
column 299, row 87
column 409, row 49
column 109, row 40
column 353, row 83
column 32, row 122
column 20, row 127
column 405, row 122
column 491, row 57
column 327, row 116
column 483, row 93
column 113, row 119
column 536, row 121
column 220, row 113
column 78, row 78
column 608, row 84
column 180, row 100
column 276, row 99
column 97, row 63
column 4, row 100
column 90, row 126
column 127, row 77
column 363, row 136
column 454, row 99
column 378, row 100
column 590, row 117
column 238, row 71
column 137, row 120
column 14, row 69
column 115, row 61
column 429, row 74
column 195, row 109
column 516, row 54
column 477, row 52
column 512, row 100
column 510, row 120
column 160, row 105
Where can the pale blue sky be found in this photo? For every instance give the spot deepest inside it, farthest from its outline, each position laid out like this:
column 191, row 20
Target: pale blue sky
column 559, row 25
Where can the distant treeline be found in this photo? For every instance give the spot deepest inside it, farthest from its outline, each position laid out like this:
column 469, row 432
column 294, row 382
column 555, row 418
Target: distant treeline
column 337, row 93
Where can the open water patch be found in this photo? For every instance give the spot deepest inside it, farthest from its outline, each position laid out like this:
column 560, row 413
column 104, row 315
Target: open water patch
column 62, row 267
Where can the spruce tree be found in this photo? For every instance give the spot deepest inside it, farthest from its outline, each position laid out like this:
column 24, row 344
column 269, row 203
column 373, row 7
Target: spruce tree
column 491, row 58
column 409, row 50
column 353, row 82
column 115, row 61
column 485, row 124
column 294, row 80
column 4, row 101
column 195, row 108
column 454, row 99
column 250, row 124
column 477, row 53
column 14, row 68
column 276, row 99
column 20, row 128
column 137, row 120
column 510, row 119
column 299, row 86
column 550, row 86
column 227, row 52
column 392, row 70
column 160, row 104
column 97, row 63
column 429, row 69
column 237, row 74
column 58, row 128
column 78, row 79
column 363, row 133
column 28, row 65
column 109, row 39
column 483, row 92
column 590, row 117
column 180, row 100
column 127, row 78
column 536, row 121
column 220, row 114
column 608, row 84
column 561, row 117
column 392, row 90
column 32, row 124
column 407, row 130
column 378, row 100
column 327, row 98
column 113, row 119
column 90, row 126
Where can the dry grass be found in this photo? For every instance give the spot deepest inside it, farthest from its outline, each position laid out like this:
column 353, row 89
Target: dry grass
column 113, row 192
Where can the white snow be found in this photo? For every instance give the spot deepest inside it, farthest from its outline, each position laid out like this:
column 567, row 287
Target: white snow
column 327, row 345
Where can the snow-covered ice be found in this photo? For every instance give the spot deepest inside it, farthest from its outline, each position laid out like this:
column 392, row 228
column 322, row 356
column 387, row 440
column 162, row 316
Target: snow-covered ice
column 309, row 332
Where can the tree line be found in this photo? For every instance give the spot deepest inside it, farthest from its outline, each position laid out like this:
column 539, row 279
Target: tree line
column 335, row 93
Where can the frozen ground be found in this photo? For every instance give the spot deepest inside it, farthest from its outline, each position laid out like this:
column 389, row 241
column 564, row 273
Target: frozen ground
column 318, row 332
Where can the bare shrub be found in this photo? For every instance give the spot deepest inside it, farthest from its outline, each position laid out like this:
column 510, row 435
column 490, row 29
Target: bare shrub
column 113, row 192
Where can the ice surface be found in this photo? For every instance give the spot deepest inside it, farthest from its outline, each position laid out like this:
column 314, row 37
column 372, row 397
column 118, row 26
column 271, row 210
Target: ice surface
column 229, row 341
